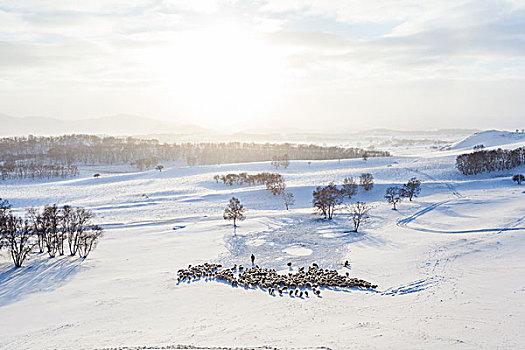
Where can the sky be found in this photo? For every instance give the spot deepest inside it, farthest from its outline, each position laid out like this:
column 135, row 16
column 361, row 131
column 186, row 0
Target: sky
column 309, row 65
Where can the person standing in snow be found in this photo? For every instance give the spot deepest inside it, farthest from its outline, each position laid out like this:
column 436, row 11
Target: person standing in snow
column 253, row 259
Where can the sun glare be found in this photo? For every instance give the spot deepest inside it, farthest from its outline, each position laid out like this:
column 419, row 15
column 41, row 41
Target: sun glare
column 221, row 73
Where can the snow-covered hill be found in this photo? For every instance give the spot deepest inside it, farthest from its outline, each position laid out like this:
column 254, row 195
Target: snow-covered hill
column 449, row 266
column 491, row 138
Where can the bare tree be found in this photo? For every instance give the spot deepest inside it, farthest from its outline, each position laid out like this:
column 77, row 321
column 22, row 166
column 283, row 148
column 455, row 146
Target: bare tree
column 288, row 199
column 16, row 235
column 359, row 213
column 366, row 180
column 393, row 196
column 411, row 189
column 234, row 211
column 88, row 239
column 349, row 187
column 39, row 227
column 518, row 178
column 51, row 220
column 326, row 199
column 285, row 161
column 275, row 162
column 80, row 221
column 5, row 209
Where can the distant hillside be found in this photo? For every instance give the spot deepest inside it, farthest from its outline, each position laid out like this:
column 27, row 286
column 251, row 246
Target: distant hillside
column 114, row 125
column 490, row 138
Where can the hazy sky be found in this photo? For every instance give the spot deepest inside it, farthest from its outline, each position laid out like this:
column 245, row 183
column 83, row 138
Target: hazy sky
column 309, row 64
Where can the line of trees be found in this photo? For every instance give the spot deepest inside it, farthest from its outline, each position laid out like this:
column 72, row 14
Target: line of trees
column 35, row 170
column 47, row 230
column 274, row 182
column 89, row 149
column 493, row 160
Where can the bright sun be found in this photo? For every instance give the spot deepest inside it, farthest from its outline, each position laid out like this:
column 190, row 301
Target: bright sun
column 219, row 73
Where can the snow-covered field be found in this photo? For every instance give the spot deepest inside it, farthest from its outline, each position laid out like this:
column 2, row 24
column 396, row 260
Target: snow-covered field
column 450, row 266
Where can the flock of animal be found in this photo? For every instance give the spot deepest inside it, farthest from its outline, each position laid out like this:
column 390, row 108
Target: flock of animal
column 297, row 284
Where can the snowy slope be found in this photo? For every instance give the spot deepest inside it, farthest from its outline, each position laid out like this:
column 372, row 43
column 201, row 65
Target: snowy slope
column 492, row 138
column 449, row 265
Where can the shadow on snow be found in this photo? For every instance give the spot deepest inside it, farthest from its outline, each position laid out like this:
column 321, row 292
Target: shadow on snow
column 38, row 274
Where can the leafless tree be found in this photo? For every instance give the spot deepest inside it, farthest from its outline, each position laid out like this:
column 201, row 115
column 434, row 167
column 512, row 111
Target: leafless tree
column 411, row 189
column 39, row 227
column 393, row 196
column 288, row 199
column 349, row 187
column 359, row 212
column 88, row 239
column 16, row 235
column 234, row 211
column 51, row 218
column 275, row 162
column 80, row 222
column 366, row 180
column 285, row 161
column 326, row 200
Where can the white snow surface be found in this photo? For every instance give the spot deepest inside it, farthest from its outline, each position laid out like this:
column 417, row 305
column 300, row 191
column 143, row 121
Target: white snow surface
column 492, row 138
column 449, row 265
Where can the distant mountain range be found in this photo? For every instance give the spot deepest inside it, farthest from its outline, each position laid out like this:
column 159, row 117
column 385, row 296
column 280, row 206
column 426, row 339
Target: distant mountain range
column 110, row 125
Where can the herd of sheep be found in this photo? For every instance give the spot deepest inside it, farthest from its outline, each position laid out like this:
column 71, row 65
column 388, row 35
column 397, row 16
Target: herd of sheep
column 295, row 284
